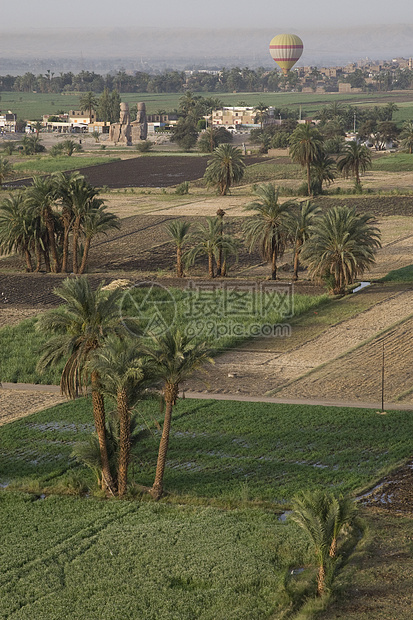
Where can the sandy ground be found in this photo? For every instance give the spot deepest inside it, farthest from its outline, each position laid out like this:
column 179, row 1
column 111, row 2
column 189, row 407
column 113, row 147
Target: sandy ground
column 18, row 404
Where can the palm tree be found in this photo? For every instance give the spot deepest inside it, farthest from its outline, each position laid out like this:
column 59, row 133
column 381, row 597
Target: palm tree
column 178, row 231
column 225, row 168
column 261, row 111
column 5, row 169
column 77, row 329
column 407, row 137
column 63, row 186
column 341, row 246
column 306, row 147
column 212, row 137
column 267, row 227
column 323, row 170
column 356, row 159
column 96, row 221
column 89, row 102
column 208, row 242
column 173, row 358
column 124, row 377
column 16, row 228
column 323, row 517
column 82, row 197
column 40, row 200
column 298, row 226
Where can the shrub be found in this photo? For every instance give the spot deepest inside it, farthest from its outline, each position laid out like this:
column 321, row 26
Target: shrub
column 144, row 146
column 182, row 188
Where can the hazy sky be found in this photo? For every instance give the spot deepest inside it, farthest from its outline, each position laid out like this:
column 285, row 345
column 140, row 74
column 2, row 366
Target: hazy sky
column 19, row 15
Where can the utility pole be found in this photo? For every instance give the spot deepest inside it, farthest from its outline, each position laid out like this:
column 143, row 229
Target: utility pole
column 382, row 379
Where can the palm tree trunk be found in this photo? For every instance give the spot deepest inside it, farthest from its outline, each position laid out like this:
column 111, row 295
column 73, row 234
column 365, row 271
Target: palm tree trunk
column 85, row 255
column 179, row 268
column 211, row 265
column 99, row 419
column 65, row 253
column 28, row 257
column 75, row 242
column 274, row 260
column 321, row 578
column 46, row 260
column 171, row 394
column 308, row 179
column 296, row 259
column 52, row 241
column 124, row 441
column 38, row 253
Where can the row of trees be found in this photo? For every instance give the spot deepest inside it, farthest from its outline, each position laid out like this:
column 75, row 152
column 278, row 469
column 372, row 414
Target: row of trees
column 227, row 80
column 55, row 217
column 336, row 246
column 99, row 353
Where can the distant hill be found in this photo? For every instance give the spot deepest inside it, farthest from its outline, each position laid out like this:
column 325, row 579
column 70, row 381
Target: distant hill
column 153, row 48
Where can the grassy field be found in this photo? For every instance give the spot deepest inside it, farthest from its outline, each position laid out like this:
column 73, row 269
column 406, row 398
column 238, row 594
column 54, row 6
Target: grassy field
column 31, row 106
column 394, row 162
column 45, row 165
column 86, row 560
column 20, row 345
column 224, row 452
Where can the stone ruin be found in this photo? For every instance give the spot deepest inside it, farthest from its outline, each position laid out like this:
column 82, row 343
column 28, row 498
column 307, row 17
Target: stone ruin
column 126, row 132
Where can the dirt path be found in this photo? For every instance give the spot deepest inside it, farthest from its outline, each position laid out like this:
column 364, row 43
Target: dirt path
column 15, row 404
column 275, row 365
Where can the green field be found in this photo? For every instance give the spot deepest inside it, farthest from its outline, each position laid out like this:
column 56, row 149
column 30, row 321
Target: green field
column 45, row 165
column 20, row 345
column 87, row 560
column 31, row 106
column 225, row 452
column 394, row 162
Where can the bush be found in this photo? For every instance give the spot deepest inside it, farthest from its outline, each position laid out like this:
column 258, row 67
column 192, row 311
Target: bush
column 144, row 146
column 182, row 188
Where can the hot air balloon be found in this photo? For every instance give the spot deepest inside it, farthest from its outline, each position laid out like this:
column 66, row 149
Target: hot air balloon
column 286, row 49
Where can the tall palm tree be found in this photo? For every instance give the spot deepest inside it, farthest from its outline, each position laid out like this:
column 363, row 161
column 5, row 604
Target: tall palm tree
column 124, row 377
column 356, row 159
column 82, row 196
column 341, row 246
column 178, row 231
column 298, row 225
column 407, row 136
column 96, row 221
column 323, row 517
column 208, row 241
column 224, row 168
column 16, row 228
column 77, row 329
column 261, row 112
column 88, row 101
column 306, row 147
column 322, row 171
column 63, row 186
column 41, row 200
column 173, row 357
column 267, row 227
column 5, row 169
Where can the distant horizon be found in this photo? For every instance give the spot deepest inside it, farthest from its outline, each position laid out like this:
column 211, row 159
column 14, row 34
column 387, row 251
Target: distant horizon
column 151, row 48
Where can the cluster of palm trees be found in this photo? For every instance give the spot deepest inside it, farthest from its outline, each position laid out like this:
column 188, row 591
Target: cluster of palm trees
column 337, row 246
column 101, row 355
column 208, row 240
column 307, row 149
column 54, row 218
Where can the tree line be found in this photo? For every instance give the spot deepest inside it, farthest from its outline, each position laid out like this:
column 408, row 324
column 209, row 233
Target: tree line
column 238, row 79
column 53, row 220
column 336, row 246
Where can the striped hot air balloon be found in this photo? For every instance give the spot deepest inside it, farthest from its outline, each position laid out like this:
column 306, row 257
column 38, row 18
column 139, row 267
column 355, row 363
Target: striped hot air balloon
column 286, row 49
